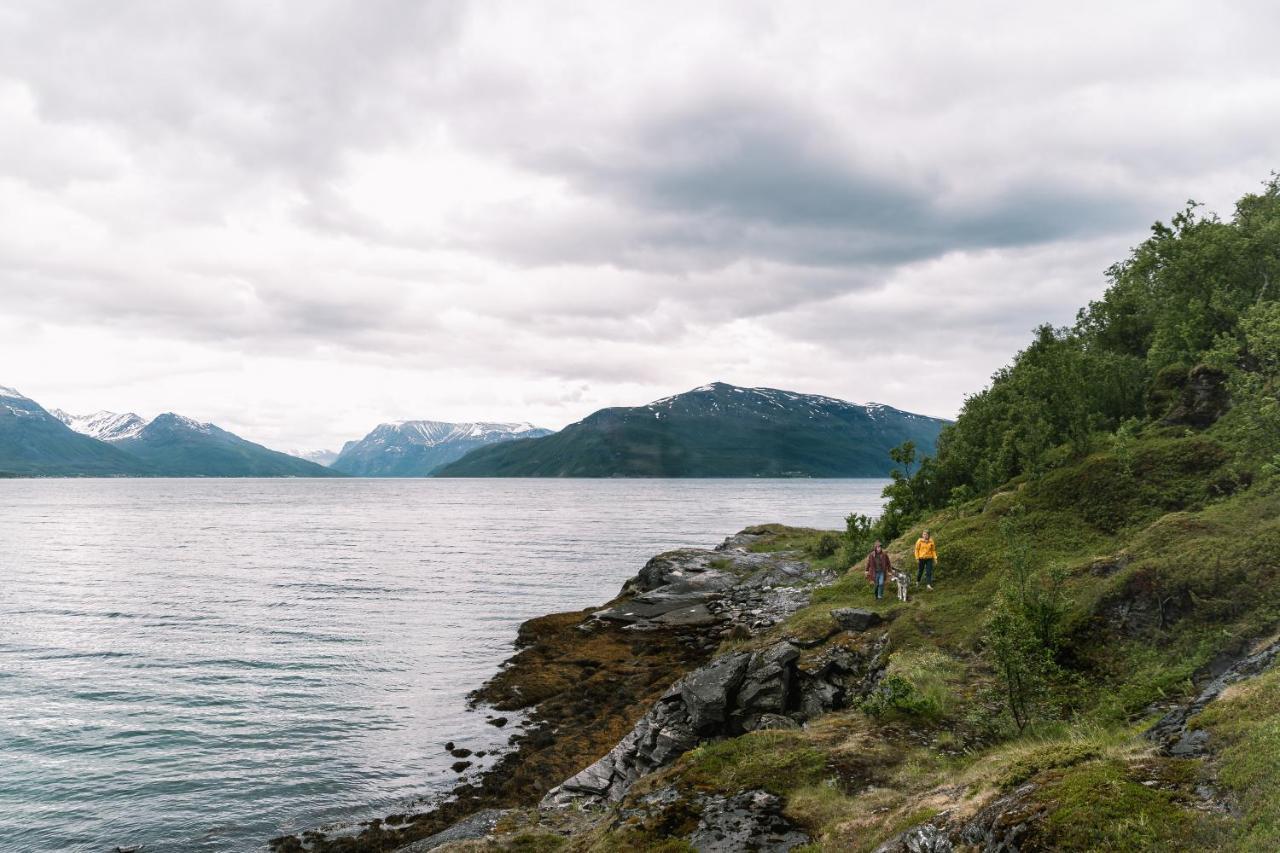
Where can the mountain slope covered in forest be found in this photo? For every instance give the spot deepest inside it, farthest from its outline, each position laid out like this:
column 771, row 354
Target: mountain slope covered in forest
column 717, row 430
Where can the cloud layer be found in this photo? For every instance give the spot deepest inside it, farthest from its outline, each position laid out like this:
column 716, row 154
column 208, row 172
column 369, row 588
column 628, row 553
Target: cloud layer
column 299, row 220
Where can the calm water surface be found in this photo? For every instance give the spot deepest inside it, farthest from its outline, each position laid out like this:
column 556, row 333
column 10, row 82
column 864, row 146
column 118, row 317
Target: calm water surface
column 204, row 664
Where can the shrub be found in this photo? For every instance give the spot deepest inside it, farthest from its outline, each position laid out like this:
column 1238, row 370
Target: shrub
column 825, row 546
column 916, row 684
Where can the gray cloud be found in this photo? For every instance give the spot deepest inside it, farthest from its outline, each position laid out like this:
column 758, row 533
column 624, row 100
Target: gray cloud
column 504, row 210
column 764, row 179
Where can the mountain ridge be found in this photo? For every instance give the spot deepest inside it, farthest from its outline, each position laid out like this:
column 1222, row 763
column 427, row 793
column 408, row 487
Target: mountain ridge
column 103, row 425
column 417, row 448
column 715, row 430
column 33, row 442
column 185, row 447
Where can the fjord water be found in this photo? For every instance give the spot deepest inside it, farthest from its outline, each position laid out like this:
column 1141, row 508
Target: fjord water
column 204, row 664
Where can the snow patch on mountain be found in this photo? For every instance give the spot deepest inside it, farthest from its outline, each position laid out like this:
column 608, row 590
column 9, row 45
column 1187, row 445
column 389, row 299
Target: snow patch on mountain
column 192, row 424
column 104, row 426
column 320, row 457
column 434, row 433
column 416, row 448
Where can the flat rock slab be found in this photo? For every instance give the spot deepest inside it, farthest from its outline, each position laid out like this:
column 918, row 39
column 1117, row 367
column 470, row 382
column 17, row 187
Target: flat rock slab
column 636, row 611
column 692, row 587
column 479, row 825
column 688, row 617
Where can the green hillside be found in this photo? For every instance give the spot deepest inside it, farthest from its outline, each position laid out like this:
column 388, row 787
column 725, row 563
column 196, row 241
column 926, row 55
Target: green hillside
column 1108, row 521
column 718, row 430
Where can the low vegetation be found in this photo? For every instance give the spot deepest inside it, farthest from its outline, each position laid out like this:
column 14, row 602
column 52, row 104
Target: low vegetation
column 1108, row 520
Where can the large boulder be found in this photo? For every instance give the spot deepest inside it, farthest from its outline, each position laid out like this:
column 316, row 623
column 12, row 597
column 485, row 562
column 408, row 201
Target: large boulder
column 767, row 685
column 707, row 692
column 855, row 618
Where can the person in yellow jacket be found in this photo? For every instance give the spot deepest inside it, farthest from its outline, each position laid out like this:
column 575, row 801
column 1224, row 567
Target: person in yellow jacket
column 926, row 554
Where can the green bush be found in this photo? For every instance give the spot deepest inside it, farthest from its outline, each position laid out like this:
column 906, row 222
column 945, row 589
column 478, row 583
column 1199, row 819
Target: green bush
column 916, row 683
column 825, row 546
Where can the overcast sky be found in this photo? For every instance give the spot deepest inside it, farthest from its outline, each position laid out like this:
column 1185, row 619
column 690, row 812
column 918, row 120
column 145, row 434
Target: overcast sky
column 300, row 219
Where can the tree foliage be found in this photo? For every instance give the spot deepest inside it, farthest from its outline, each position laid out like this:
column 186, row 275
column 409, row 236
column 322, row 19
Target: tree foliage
column 1023, row 628
column 1197, row 290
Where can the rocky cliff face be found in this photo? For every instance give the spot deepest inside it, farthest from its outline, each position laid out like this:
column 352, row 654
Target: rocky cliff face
column 736, row 692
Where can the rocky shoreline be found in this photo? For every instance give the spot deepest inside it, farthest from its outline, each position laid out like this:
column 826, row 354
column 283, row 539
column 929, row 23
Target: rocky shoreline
column 724, row 692
column 615, row 692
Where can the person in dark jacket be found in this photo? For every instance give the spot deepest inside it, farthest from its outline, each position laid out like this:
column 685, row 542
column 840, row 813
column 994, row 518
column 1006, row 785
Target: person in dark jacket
column 878, row 568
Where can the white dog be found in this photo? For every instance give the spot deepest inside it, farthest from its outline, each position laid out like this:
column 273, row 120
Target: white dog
column 901, row 582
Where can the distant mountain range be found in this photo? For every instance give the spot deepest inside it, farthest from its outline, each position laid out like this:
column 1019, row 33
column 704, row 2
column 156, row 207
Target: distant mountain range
column 38, row 442
column 419, row 448
column 178, row 446
column 717, row 430
column 320, row 457
column 35, row 443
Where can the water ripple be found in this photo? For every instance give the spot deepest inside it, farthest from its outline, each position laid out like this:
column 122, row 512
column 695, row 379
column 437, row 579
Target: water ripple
column 202, row 665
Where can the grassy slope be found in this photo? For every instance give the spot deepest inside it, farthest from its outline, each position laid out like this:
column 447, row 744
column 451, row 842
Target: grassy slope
column 1166, row 573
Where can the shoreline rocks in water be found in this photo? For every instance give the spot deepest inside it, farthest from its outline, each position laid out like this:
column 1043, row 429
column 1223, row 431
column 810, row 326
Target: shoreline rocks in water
column 587, row 680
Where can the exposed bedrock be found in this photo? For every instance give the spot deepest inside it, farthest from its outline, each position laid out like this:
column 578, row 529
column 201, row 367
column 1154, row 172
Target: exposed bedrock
column 730, row 586
column 773, row 687
column 738, row 692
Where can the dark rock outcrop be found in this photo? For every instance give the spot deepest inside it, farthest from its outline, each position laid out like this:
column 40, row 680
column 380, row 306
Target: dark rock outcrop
column 839, row 675
column 1005, row 825
column 855, row 618
column 1204, row 398
column 1171, row 731
column 751, row 820
column 736, row 693
column 701, row 705
column 925, row 838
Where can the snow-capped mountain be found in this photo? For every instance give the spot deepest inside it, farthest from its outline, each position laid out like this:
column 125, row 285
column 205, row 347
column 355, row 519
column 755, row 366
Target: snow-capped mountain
column 104, row 426
column 15, row 403
column 418, row 448
column 35, row 443
column 179, row 446
column 39, row 442
column 320, row 457
column 716, row 430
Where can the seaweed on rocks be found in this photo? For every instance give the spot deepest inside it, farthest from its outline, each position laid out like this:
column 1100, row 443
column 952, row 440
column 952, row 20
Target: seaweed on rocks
column 584, row 679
